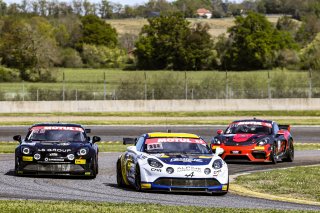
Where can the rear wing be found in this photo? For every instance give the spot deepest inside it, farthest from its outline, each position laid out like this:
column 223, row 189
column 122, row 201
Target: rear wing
column 286, row 127
column 129, row 141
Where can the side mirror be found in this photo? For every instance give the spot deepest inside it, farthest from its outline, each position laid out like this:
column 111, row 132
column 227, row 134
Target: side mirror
column 280, row 132
column 17, row 138
column 87, row 130
column 129, row 141
column 95, row 139
column 220, row 132
column 219, row 151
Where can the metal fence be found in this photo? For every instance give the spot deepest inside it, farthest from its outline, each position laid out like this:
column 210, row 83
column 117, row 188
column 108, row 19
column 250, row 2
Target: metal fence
column 215, row 86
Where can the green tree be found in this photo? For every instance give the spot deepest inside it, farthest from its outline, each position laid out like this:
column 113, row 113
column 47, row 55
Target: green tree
column 168, row 43
column 98, row 32
column 254, row 43
column 28, row 45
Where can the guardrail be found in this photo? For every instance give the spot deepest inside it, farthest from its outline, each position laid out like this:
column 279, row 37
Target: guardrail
column 160, row 105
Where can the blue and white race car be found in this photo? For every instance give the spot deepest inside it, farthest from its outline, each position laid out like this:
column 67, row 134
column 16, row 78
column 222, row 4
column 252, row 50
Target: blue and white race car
column 176, row 162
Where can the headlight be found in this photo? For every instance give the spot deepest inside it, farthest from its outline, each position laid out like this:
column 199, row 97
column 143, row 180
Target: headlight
column 154, row 163
column 70, row 157
column 37, row 156
column 207, row 171
column 217, row 164
column 26, row 150
column 170, row 170
column 263, row 142
column 83, row 151
column 216, row 141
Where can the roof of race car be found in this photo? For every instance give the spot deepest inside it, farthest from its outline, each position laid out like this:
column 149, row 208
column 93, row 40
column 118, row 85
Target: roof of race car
column 57, row 124
column 171, row 135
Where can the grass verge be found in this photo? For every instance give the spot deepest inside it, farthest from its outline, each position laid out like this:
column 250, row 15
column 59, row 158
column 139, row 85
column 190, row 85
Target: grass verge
column 301, row 113
column 292, row 183
column 160, row 121
column 9, row 147
column 80, row 206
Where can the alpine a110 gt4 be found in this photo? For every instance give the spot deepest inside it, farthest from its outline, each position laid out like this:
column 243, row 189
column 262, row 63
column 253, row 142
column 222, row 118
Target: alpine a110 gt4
column 255, row 140
column 57, row 149
column 177, row 162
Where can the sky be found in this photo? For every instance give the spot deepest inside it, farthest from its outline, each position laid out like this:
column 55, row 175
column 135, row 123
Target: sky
column 123, row 2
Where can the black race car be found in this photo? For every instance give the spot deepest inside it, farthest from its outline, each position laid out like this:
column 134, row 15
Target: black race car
column 57, row 149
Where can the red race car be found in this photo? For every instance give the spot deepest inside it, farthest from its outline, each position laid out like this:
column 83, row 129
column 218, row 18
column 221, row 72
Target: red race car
column 255, row 140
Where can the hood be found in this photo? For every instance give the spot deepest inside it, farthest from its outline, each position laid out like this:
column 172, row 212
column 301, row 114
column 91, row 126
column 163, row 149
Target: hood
column 240, row 138
column 185, row 159
column 50, row 146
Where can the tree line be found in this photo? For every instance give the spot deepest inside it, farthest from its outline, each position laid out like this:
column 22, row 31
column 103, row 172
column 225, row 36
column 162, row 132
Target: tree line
column 36, row 36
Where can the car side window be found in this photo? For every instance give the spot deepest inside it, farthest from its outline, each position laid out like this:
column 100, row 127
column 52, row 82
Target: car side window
column 140, row 143
column 275, row 128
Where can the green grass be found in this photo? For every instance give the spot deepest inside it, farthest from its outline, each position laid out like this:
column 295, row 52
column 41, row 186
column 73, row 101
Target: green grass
column 29, row 206
column 9, row 147
column 299, row 182
column 301, row 113
column 140, row 121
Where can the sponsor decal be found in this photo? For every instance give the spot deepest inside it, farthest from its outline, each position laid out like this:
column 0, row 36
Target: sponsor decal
column 145, row 186
column 216, row 172
column 235, row 152
column 27, row 158
column 80, row 161
column 188, row 169
column 190, row 175
column 43, row 128
column 206, row 157
column 186, row 160
column 54, row 159
column 174, row 140
column 155, row 170
column 54, row 150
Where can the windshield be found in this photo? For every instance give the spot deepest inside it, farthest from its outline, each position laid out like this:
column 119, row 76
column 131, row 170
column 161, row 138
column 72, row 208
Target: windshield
column 51, row 133
column 260, row 128
column 177, row 145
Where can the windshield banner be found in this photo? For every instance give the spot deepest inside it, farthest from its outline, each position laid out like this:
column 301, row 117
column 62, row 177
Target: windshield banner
column 69, row 128
column 176, row 140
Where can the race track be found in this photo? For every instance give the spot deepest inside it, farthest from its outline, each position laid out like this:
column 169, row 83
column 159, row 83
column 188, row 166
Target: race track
column 104, row 188
column 116, row 133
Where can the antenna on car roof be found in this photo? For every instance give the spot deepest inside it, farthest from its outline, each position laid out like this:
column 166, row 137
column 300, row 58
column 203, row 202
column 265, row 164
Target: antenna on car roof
column 168, row 130
column 254, row 118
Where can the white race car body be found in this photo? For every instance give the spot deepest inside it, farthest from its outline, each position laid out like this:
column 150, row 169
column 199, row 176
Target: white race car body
column 174, row 171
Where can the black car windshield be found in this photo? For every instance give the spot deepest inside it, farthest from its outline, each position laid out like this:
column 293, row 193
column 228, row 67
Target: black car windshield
column 260, row 128
column 177, row 145
column 70, row 134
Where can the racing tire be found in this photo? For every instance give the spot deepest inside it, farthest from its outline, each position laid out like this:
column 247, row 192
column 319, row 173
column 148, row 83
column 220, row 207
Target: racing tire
column 273, row 155
column 137, row 179
column 94, row 168
column 290, row 153
column 120, row 181
column 16, row 166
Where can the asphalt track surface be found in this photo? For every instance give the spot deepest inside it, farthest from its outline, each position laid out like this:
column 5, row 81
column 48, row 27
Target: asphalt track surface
column 302, row 134
column 103, row 188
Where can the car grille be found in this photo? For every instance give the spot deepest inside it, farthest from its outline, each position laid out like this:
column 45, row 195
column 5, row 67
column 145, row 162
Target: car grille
column 259, row 155
column 204, row 182
column 54, row 167
column 236, row 157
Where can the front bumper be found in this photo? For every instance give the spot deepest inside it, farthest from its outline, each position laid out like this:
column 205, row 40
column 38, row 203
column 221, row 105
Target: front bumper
column 186, row 185
column 245, row 153
column 77, row 168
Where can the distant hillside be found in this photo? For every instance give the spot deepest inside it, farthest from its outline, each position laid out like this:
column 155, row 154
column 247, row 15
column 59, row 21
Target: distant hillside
column 218, row 26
